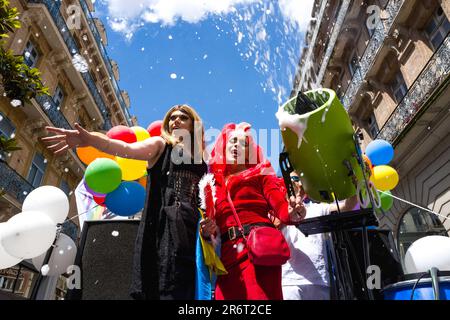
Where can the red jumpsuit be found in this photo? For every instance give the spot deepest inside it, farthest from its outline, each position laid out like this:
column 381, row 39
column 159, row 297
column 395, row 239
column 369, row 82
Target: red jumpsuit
column 254, row 193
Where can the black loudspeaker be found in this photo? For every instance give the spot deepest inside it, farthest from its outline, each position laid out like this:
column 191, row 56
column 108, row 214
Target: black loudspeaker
column 105, row 258
column 383, row 253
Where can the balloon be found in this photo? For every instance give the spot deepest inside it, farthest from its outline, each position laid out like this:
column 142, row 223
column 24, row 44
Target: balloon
column 49, row 200
column 155, row 128
column 367, row 161
column 143, row 181
column 368, row 164
column 89, row 154
column 6, row 260
column 63, row 256
column 386, row 200
column 122, row 133
column 127, row 200
column 141, row 133
column 428, row 252
column 132, row 169
column 384, row 178
column 100, row 200
column 92, row 192
column 103, row 175
column 380, row 152
column 28, row 234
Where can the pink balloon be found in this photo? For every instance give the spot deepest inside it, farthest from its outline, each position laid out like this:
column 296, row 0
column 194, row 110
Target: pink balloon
column 155, row 128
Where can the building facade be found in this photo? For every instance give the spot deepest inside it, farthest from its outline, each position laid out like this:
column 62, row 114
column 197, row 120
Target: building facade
column 67, row 44
column 389, row 63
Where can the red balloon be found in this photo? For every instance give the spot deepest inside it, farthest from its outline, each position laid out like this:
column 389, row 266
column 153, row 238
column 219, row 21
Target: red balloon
column 122, row 133
column 100, row 200
column 155, row 128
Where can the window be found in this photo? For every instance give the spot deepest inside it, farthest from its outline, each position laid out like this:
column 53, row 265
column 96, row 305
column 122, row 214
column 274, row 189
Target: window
column 353, row 64
column 399, row 88
column 58, row 97
column 437, row 28
column 373, row 126
column 7, row 128
column 417, row 224
column 31, row 54
column 37, row 170
column 64, row 186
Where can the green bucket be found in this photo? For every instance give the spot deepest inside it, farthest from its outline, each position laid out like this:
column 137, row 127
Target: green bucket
column 319, row 156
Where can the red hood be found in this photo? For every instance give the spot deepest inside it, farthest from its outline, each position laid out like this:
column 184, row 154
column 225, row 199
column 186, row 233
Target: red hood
column 257, row 163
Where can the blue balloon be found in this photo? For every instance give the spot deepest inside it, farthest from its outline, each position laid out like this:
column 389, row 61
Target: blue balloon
column 127, row 200
column 380, row 152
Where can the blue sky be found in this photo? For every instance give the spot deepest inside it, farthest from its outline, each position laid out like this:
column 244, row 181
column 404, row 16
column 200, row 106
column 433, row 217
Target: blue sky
column 234, row 60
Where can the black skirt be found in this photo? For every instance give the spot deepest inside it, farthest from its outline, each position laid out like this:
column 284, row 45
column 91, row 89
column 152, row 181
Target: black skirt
column 164, row 257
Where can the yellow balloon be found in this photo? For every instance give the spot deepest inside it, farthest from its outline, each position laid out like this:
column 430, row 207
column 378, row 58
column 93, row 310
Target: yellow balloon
column 141, row 133
column 384, row 178
column 89, row 154
column 132, row 169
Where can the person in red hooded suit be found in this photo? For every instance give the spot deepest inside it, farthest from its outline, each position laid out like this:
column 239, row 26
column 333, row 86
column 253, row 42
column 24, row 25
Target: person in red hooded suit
column 237, row 166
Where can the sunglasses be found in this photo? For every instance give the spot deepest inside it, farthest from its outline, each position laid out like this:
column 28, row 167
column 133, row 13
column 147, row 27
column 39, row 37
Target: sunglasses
column 295, row 179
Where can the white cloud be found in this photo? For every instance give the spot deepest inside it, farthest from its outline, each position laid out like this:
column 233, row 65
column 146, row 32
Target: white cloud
column 128, row 15
column 169, row 11
column 298, row 11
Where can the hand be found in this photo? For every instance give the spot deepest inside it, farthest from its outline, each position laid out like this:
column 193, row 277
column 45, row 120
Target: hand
column 67, row 139
column 296, row 209
column 208, row 228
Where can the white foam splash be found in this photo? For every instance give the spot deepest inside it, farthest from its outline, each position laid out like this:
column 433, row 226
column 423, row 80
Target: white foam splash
column 80, row 64
column 16, row 103
column 45, row 269
column 297, row 123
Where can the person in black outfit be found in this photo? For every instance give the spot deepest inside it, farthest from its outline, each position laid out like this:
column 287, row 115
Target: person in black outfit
column 164, row 257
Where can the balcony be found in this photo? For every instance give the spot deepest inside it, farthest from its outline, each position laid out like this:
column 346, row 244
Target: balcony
column 50, row 109
column 13, row 183
column 372, row 49
column 53, row 8
column 432, row 77
column 311, row 45
column 343, row 10
column 104, row 54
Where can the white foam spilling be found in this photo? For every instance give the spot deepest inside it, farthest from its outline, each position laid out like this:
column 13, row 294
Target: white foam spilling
column 324, row 114
column 80, row 63
column 297, row 123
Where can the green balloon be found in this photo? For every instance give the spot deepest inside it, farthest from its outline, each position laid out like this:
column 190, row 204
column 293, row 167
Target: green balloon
column 386, row 200
column 103, row 175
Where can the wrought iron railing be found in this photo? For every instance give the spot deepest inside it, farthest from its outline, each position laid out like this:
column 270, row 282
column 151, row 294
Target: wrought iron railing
column 375, row 44
column 435, row 72
column 102, row 49
column 312, row 44
column 13, row 183
column 333, row 38
column 51, row 110
column 54, row 9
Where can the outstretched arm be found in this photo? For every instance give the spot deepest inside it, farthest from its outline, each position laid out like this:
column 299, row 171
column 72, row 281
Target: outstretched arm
column 148, row 149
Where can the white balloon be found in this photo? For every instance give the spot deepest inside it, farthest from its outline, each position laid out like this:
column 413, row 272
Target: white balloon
column 50, row 200
column 6, row 260
column 428, row 252
column 63, row 256
column 28, row 234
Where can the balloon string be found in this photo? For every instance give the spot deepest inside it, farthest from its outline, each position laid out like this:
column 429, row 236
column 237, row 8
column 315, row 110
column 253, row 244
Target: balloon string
column 413, row 204
column 80, row 214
